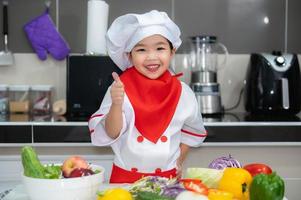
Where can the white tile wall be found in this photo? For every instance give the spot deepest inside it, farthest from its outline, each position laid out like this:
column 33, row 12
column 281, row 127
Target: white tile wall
column 28, row 69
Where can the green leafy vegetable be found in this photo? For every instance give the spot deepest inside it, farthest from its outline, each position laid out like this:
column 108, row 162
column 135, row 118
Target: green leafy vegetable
column 31, row 163
column 154, row 184
column 143, row 195
column 34, row 168
column 210, row 177
column 97, row 171
column 52, row 171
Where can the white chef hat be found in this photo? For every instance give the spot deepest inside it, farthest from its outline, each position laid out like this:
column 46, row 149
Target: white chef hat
column 127, row 30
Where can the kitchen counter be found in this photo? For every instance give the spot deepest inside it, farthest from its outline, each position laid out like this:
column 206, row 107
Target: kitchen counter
column 273, row 140
column 238, row 128
column 6, row 187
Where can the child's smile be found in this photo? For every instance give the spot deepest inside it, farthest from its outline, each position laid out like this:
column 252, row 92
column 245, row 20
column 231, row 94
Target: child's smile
column 152, row 67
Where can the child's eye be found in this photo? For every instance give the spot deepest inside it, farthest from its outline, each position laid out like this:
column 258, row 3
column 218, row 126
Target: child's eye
column 140, row 50
column 161, row 48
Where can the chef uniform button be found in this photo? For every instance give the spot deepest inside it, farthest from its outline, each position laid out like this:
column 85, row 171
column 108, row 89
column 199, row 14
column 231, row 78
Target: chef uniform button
column 163, row 138
column 158, row 170
column 134, row 169
column 140, row 139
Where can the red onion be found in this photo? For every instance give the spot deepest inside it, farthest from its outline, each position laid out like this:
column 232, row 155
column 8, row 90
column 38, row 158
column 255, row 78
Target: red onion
column 172, row 190
column 224, row 162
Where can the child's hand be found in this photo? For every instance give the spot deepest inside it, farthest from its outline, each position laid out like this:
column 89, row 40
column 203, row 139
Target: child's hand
column 179, row 169
column 117, row 90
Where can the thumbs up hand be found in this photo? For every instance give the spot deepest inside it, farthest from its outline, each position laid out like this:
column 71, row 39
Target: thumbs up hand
column 117, row 90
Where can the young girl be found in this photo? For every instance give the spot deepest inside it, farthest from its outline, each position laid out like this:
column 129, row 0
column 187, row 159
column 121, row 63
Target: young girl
column 148, row 117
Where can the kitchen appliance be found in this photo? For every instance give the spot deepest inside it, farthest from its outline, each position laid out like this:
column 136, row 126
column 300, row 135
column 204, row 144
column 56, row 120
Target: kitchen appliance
column 88, row 78
column 205, row 64
column 273, row 84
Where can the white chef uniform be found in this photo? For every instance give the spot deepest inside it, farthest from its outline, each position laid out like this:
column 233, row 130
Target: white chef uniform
column 133, row 152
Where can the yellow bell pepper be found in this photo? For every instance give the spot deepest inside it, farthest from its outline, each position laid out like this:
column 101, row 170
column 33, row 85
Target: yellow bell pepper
column 215, row 194
column 236, row 181
column 115, row 194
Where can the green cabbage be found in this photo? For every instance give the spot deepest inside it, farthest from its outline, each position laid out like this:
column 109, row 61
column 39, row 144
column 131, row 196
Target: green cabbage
column 210, row 177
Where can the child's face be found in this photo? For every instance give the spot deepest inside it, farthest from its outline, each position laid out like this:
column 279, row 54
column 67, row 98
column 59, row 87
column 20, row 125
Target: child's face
column 152, row 56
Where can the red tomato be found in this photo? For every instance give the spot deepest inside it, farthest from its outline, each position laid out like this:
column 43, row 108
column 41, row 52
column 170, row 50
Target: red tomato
column 195, row 185
column 257, row 168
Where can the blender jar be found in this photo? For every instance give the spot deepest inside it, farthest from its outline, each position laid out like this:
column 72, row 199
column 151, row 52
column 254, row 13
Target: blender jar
column 41, row 99
column 204, row 53
column 19, row 99
column 204, row 58
column 3, row 99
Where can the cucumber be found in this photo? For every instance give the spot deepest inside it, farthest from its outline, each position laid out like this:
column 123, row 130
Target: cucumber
column 31, row 163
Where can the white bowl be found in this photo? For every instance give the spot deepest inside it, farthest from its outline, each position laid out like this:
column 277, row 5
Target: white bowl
column 81, row 188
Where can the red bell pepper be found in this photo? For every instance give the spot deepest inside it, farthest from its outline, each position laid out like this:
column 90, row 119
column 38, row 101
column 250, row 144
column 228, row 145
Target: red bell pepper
column 195, row 185
column 257, row 168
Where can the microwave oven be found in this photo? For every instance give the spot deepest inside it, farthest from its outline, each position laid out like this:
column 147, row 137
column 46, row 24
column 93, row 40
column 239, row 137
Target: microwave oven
column 88, row 78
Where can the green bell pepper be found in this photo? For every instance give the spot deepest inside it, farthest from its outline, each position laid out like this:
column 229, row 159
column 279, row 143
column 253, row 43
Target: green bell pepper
column 267, row 187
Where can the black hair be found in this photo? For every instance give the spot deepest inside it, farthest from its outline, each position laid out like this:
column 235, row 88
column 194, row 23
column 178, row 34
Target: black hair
column 170, row 44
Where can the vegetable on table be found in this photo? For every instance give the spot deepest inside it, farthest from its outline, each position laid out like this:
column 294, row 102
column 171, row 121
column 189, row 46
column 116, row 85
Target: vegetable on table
column 257, row 168
column 172, row 190
column 215, row 194
column 224, row 162
column 31, row 163
column 267, row 187
column 153, row 184
column 34, row 168
column 195, row 185
column 236, row 181
column 142, row 195
column 210, row 177
column 115, row 194
column 52, row 171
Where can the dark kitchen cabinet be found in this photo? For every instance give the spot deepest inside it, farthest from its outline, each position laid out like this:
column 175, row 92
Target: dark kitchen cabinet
column 243, row 26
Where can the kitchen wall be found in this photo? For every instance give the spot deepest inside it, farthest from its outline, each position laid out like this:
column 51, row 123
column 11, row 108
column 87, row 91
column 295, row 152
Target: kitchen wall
column 243, row 26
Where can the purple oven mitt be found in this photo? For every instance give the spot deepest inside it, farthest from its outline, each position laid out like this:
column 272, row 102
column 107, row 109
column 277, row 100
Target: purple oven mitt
column 44, row 37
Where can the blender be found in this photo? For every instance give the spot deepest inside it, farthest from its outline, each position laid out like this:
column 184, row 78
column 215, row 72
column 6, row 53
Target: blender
column 205, row 64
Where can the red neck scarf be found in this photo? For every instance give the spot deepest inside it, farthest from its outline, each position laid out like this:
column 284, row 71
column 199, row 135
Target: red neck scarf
column 154, row 101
